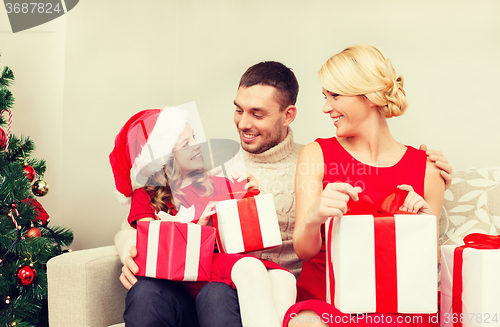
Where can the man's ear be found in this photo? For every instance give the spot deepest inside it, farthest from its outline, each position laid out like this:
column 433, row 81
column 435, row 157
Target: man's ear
column 289, row 113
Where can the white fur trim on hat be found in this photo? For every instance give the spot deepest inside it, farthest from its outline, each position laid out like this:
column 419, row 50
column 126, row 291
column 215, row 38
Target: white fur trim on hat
column 160, row 144
column 122, row 199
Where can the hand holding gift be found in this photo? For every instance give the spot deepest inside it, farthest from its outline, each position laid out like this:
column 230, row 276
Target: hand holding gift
column 414, row 202
column 333, row 201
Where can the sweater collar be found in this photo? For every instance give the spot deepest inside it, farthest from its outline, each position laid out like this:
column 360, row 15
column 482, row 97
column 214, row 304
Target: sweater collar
column 274, row 154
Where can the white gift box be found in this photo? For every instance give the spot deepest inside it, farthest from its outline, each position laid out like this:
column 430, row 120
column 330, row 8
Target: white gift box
column 247, row 224
column 352, row 251
column 481, row 287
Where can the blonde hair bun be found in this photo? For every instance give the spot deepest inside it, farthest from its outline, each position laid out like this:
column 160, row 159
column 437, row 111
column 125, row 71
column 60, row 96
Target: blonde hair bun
column 364, row 70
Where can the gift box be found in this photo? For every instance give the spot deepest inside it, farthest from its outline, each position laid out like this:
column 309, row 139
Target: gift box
column 247, row 224
column 470, row 283
column 175, row 251
column 382, row 260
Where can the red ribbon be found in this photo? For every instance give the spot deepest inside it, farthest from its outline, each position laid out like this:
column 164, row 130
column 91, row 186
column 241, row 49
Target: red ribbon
column 250, row 225
column 385, row 245
column 475, row 241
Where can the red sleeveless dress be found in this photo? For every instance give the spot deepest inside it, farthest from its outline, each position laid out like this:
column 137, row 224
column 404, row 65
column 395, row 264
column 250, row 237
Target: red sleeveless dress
column 376, row 182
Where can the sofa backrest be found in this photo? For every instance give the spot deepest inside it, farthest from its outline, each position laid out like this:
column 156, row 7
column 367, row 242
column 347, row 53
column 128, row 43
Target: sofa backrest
column 471, row 205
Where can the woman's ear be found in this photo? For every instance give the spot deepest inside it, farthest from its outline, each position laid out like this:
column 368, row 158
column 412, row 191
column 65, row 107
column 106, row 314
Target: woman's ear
column 369, row 102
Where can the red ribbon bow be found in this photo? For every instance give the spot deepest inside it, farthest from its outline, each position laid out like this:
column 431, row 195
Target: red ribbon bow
column 387, row 206
column 248, row 215
column 475, row 241
column 385, row 245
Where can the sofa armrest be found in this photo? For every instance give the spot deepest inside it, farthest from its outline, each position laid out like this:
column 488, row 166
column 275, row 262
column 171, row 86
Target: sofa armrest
column 84, row 289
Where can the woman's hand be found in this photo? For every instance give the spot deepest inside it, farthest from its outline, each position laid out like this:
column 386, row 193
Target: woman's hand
column 414, row 202
column 240, row 176
column 332, row 202
column 207, row 213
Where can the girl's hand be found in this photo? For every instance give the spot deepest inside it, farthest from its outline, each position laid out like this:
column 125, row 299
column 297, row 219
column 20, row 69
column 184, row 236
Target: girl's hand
column 332, row 202
column 207, row 213
column 414, row 202
column 240, row 176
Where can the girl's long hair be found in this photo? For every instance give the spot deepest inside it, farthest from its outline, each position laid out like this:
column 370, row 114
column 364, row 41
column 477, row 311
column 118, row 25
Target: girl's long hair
column 165, row 185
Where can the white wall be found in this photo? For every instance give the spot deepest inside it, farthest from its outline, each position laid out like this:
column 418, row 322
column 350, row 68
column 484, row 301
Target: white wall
column 105, row 60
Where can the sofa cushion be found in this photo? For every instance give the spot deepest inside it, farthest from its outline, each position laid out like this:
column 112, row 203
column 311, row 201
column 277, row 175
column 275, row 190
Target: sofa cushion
column 471, row 205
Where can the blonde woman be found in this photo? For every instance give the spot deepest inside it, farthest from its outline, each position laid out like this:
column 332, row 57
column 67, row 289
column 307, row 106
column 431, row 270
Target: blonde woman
column 362, row 90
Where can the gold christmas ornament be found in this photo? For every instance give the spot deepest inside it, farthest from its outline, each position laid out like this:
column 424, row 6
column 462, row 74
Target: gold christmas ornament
column 40, row 187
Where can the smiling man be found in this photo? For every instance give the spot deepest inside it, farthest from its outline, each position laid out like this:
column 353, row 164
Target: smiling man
column 264, row 109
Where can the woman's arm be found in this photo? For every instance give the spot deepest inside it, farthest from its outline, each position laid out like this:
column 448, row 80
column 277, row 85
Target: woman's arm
column 313, row 204
column 308, row 188
column 434, row 187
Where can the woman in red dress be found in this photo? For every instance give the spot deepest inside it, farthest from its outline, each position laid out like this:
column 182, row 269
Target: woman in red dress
column 361, row 90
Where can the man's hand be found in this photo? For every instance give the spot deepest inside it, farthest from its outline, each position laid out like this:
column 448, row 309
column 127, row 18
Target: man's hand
column 127, row 277
column 441, row 162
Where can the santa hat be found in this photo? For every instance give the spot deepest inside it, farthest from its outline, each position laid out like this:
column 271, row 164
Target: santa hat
column 144, row 145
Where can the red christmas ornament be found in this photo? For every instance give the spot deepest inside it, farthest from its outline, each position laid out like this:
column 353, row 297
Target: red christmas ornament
column 33, row 232
column 3, row 138
column 41, row 214
column 30, row 172
column 25, row 275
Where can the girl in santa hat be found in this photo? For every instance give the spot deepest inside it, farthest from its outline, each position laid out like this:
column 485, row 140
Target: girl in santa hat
column 158, row 149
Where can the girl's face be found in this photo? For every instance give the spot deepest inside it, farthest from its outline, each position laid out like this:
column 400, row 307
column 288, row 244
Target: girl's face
column 187, row 152
column 349, row 113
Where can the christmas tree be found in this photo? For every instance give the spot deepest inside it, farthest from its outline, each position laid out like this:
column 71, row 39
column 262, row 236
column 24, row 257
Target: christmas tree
column 26, row 240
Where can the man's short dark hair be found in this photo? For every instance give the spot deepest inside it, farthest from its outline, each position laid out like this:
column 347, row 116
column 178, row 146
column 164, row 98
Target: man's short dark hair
column 274, row 74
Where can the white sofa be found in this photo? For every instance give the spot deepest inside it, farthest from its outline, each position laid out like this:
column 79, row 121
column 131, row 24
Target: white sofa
column 84, row 290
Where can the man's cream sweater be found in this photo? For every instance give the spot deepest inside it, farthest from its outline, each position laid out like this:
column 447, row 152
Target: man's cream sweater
column 274, row 170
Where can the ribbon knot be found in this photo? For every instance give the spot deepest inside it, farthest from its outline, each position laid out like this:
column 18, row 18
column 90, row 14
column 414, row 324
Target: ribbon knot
column 388, row 205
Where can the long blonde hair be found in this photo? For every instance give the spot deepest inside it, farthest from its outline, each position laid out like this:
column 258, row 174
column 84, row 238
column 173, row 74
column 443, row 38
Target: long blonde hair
column 166, row 183
column 364, row 70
